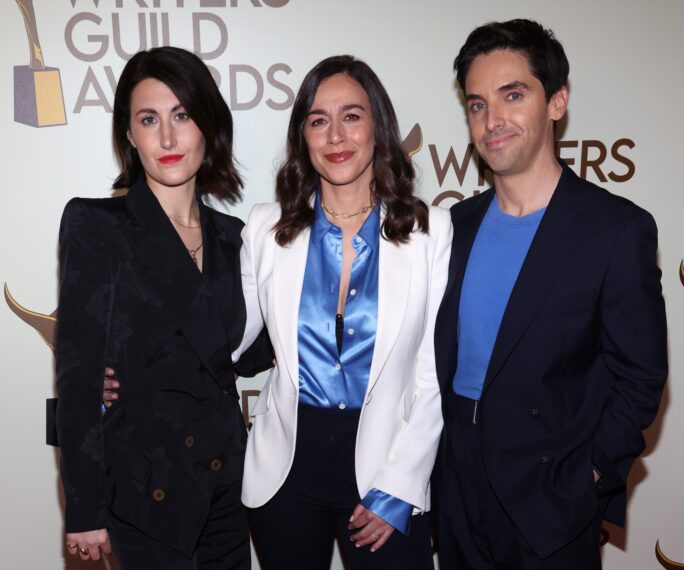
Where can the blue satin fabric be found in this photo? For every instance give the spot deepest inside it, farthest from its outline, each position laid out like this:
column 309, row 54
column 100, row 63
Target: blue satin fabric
column 328, row 379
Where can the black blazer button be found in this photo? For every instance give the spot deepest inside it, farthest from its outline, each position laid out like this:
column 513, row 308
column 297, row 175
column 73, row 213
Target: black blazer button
column 158, row 495
column 215, row 464
column 534, row 412
column 545, row 458
column 189, row 441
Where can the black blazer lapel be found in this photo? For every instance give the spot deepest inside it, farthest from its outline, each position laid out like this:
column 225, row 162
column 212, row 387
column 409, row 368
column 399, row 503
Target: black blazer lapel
column 222, row 270
column 446, row 326
column 559, row 233
column 178, row 285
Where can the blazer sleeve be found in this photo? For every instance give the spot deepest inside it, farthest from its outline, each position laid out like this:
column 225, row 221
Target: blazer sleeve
column 85, row 298
column 407, row 471
column 634, row 340
column 252, row 236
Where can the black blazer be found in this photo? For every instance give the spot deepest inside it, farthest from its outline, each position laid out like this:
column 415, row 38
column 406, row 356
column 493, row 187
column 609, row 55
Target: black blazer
column 132, row 298
column 579, row 363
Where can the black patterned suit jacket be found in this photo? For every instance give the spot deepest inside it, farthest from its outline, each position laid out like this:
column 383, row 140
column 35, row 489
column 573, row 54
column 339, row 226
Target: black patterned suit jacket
column 132, row 298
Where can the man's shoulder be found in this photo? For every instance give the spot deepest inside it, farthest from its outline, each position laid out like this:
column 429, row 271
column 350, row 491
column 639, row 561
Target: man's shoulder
column 604, row 205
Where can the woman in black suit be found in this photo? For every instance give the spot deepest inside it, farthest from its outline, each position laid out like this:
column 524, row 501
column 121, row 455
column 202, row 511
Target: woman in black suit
column 150, row 285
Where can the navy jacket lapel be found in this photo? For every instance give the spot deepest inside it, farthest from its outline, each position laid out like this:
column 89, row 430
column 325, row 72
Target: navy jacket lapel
column 558, row 235
column 168, row 268
column 446, row 327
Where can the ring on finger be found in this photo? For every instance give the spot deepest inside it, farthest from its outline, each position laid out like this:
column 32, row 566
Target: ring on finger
column 84, row 551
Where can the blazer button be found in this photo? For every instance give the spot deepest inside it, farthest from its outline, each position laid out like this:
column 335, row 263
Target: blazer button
column 545, row 458
column 189, row 441
column 158, row 495
column 215, row 464
column 534, row 412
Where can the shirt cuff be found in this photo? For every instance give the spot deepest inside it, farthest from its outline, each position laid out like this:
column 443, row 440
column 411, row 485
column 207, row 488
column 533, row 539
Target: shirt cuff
column 390, row 509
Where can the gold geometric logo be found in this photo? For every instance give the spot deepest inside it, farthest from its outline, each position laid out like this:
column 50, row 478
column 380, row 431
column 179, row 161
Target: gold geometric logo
column 44, row 325
column 38, row 99
column 665, row 562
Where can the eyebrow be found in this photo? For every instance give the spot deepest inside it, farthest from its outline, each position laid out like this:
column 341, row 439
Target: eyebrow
column 149, row 110
column 502, row 89
column 347, row 107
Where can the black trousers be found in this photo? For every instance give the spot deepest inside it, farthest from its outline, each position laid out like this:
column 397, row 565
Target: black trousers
column 474, row 531
column 297, row 528
column 223, row 544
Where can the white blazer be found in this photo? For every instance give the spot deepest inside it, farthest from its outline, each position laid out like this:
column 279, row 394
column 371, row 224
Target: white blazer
column 401, row 418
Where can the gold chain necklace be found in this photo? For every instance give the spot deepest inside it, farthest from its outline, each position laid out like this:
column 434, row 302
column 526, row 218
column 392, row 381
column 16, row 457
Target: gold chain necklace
column 345, row 215
column 193, row 253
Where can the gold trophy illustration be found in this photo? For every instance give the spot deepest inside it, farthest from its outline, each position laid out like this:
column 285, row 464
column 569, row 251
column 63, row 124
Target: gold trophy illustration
column 38, row 99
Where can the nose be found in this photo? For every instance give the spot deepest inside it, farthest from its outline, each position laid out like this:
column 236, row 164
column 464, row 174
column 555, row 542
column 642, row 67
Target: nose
column 335, row 133
column 167, row 135
column 495, row 118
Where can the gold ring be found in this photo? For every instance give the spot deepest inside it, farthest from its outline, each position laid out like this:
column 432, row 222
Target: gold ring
column 84, row 551
column 71, row 545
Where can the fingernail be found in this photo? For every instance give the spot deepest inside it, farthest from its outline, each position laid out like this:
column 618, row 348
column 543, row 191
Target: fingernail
column 351, row 518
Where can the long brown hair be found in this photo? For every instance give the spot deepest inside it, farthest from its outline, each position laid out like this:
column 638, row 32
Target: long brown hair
column 393, row 173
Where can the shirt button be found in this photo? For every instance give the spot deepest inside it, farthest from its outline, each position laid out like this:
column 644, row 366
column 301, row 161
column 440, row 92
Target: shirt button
column 350, row 331
column 338, row 366
column 158, row 495
column 189, row 441
column 342, row 406
column 352, row 292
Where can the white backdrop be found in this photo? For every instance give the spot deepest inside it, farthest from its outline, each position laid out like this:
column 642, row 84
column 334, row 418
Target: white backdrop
column 622, row 132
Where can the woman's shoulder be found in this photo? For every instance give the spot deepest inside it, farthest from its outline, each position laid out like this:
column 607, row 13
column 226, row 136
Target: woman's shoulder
column 264, row 213
column 93, row 212
column 440, row 220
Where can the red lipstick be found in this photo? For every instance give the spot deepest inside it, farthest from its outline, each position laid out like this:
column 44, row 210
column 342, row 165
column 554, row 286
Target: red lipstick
column 338, row 157
column 170, row 158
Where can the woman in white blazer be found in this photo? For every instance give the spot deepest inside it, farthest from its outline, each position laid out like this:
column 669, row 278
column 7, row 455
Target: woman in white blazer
column 346, row 271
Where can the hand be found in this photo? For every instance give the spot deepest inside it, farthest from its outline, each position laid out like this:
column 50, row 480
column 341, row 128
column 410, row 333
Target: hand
column 111, row 384
column 596, row 476
column 374, row 530
column 90, row 544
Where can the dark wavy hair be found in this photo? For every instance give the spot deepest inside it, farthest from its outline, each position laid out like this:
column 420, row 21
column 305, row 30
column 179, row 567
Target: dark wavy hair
column 393, row 173
column 191, row 81
column 544, row 52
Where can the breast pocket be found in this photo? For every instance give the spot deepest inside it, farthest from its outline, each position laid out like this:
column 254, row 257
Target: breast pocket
column 571, row 298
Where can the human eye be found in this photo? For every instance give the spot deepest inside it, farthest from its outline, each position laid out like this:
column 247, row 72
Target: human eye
column 317, row 122
column 476, row 106
column 351, row 117
column 514, row 96
column 182, row 115
column 148, row 120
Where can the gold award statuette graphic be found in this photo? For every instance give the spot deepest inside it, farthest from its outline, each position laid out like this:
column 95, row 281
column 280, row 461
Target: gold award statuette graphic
column 38, row 100
column 44, row 325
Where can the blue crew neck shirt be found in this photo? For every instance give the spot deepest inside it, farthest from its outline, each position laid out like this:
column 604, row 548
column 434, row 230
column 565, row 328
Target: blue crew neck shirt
column 498, row 252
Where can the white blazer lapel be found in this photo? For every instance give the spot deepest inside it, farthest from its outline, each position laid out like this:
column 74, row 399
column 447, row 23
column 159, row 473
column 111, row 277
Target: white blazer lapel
column 289, row 264
column 394, row 278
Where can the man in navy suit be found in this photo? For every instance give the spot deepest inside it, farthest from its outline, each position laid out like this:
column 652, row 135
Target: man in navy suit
column 551, row 337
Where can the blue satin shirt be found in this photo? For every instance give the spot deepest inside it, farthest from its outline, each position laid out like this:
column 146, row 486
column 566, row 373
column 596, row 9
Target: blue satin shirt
column 332, row 379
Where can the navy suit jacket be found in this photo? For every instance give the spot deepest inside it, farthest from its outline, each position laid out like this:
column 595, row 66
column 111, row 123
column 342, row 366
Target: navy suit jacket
column 579, row 363
column 132, row 298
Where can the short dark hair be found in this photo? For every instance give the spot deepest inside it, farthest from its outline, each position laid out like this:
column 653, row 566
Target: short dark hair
column 393, row 173
column 544, row 52
column 191, row 81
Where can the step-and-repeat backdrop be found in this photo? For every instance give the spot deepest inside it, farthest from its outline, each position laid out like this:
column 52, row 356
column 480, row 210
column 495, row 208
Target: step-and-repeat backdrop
column 59, row 65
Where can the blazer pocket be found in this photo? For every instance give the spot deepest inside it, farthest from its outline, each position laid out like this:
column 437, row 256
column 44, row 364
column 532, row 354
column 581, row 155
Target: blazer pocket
column 571, row 299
